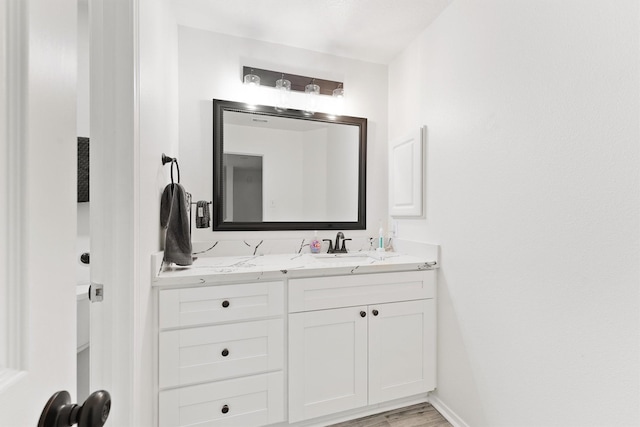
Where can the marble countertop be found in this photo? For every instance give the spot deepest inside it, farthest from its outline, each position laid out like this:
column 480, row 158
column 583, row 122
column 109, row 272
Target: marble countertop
column 212, row 270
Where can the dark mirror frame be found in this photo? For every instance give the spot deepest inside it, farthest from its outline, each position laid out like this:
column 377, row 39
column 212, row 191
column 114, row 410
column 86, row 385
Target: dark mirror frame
column 218, row 224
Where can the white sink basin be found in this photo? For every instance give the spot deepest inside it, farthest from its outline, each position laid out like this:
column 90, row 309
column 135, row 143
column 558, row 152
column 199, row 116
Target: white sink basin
column 348, row 258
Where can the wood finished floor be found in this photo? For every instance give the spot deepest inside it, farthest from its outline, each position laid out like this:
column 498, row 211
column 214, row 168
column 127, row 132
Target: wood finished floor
column 420, row 415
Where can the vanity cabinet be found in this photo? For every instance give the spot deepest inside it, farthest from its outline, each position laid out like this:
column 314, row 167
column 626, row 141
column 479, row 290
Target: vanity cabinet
column 359, row 340
column 221, row 355
column 312, row 347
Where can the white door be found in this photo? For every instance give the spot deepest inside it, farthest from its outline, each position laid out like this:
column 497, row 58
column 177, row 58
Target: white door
column 38, row 205
column 38, row 209
column 327, row 362
column 402, row 352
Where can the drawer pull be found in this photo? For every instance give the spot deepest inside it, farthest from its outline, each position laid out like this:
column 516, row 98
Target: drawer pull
column 375, row 312
column 363, row 313
column 225, row 409
column 225, row 352
column 225, row 303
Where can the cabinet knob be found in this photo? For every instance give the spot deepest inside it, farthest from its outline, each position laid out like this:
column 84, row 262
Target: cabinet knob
column 363, row 313
column 375, row 312
column 225, row 352
column 225, row 409
column 225, row 303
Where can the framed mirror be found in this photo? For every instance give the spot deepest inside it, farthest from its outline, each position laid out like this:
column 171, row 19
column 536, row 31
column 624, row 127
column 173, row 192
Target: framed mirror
column 287, row 169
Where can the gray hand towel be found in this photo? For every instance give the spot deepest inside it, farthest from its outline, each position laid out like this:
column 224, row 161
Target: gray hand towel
column 175, row 218
column 202, row 214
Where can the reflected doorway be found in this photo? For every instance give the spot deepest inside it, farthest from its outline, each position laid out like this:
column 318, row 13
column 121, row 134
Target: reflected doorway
column 243, row 187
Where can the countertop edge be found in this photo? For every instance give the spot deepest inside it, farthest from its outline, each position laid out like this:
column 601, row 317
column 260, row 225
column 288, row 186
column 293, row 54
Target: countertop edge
column 207, row 279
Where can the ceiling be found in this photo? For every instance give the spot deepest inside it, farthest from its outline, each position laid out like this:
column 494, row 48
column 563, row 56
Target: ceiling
column 369, row 30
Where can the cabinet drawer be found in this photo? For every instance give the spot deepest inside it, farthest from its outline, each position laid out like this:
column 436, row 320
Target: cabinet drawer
column 247, row 402
column 209, row 353
column 212, row 304
column 345, row 291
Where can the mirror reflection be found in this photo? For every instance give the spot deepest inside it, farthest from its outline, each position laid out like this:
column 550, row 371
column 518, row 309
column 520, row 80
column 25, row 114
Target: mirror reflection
column 285, row 170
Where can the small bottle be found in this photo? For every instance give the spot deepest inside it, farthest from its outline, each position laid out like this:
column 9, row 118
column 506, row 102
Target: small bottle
column 315, row 244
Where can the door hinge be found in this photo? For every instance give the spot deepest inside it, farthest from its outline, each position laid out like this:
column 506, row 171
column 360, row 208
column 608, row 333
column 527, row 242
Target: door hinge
column 96, row 292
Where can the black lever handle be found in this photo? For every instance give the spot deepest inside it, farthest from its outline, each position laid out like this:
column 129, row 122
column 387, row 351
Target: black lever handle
column 330, row 250
column 60, row 412
column 344, row 249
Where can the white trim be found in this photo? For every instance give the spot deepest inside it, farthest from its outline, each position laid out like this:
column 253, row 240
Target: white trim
column 454, row 419
column 355, row 414
column 14, row 75
column 114, row 206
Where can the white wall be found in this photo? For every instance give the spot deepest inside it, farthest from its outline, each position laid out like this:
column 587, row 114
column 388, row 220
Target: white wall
column 533, row 193
column 272, row 145
column 158, row 125
column 211, row 67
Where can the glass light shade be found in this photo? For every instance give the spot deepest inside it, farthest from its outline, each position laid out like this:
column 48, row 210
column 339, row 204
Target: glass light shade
column 284, row 87
column 252, row 80
column 312, row 90
column 283, row 84
column 338, row 93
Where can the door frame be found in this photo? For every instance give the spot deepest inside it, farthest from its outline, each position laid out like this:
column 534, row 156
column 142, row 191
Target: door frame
column 13, row 89
column 114, row 168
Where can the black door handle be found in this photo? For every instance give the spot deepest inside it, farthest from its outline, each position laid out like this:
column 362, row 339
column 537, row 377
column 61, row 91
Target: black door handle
column 60, row 412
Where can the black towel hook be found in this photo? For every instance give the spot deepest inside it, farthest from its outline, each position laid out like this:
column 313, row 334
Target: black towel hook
column 166, row 159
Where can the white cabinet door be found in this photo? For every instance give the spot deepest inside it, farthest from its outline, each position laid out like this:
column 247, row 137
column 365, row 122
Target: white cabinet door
column 327, row 362
column 406, row 175
column 402, row 342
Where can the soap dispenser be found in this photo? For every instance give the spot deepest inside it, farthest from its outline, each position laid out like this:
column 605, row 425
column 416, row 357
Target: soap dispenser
column 315, row 244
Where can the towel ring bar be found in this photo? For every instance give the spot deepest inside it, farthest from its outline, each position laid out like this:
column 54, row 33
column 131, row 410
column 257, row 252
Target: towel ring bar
column 166, row 159
column 174, row 161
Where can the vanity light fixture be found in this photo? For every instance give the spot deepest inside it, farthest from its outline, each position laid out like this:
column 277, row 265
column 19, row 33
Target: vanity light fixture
column 298, row 82
column 310, row 86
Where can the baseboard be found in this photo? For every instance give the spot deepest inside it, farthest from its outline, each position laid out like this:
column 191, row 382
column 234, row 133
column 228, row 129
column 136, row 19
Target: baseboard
column 446, row 412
